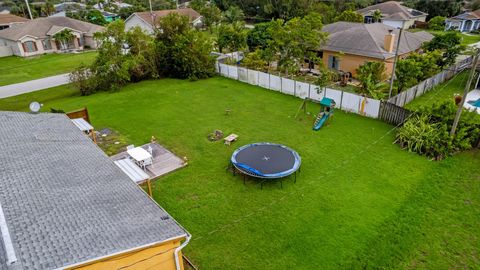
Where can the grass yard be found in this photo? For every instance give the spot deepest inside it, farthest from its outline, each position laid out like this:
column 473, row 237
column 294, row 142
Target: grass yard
column 16, row 69
column 360, row 202
column 467, row 39
column 442, row 92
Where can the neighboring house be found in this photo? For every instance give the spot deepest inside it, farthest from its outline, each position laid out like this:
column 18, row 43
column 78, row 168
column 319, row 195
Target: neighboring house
column 350, row 45
column 64, row 204
column 465, row 22
column 9, row 20
column 149, row 21
column 394, row 14
column 109, row 16
column 37, row 36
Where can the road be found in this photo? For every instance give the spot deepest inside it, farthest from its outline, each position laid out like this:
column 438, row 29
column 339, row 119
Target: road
column 34, row 85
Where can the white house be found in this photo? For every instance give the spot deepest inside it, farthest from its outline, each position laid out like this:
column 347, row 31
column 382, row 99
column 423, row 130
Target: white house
column 465, row 22
column 37, row 36
column 394, row 14
column 149, row 21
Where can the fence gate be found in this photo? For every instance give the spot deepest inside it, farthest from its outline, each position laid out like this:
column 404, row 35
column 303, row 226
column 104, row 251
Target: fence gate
column 392, row 113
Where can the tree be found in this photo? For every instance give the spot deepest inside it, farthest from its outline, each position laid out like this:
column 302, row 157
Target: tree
column 47, row 9
column 231, row 36
column 64, row 37
column 233, row 14
column 437, row 23
column 377, row 15
column 429, row 63
column 407, row 73
column 212, row 15
column 449, row 43
column 371, row 73
column 445, row 8
column 349, row 16
column 259, row 36
column 181, row 51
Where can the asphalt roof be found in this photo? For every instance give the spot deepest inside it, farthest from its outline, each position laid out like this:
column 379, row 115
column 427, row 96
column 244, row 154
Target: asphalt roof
column 64, row 200
column 368, row 39
column 392, row 10
column 41, row 27
column 147, row 16
column 10, row 18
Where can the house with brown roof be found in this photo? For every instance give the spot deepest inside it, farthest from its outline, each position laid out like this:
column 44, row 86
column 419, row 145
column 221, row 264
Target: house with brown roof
column 148, row 21
column 465, row 22
column 8, row 20
column 350, row 45
column 394, row 14
column 37, row 36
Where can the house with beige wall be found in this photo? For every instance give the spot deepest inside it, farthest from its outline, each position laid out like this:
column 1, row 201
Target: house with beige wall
column 350, row 45
column 37, row 36
column 65, row 204
column 149, row 21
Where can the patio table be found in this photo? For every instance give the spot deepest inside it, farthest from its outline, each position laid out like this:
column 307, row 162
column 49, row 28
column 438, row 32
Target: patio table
column 139, row 155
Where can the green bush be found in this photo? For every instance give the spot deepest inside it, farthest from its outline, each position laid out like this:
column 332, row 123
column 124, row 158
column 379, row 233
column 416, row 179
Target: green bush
column 428, row 131
column 437, row 23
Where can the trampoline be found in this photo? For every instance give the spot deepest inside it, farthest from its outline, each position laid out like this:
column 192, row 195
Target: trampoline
column 266, row 160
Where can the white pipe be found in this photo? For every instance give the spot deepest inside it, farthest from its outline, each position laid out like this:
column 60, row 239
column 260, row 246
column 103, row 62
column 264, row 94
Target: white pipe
column 177, row 250
column 7, row 240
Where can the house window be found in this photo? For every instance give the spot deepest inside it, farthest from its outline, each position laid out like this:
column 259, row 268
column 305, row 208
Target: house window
column 81, row 41
column 29, row 46
column 333, row 62
column 47, row 44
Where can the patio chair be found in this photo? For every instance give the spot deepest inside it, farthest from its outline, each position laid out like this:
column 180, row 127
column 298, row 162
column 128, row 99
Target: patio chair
column 147, row 162
column 131, row 146
column 150, row 150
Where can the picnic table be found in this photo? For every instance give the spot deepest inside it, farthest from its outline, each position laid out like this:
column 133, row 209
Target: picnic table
column 230, row 138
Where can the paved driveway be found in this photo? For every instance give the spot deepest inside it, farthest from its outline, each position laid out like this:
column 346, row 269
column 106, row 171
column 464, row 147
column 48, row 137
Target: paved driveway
column 34, row 85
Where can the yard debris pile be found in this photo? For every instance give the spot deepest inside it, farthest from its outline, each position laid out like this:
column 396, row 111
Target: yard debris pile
column 216, row 135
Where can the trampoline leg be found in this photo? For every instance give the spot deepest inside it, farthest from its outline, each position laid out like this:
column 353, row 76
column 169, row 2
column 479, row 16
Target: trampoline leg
column 281, row 184
column 244, row 179
column 295, row 178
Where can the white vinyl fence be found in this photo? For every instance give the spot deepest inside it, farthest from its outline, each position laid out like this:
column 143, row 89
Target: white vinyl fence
column 412, row 93
column 345, row 101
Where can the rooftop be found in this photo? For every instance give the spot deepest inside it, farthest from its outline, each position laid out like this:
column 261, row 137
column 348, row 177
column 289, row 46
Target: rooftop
column 392, row 10
column 6, row 19
column 147, row 16
column 41, row 27
column 64, row 201
column 471, row 15
column 368, row 39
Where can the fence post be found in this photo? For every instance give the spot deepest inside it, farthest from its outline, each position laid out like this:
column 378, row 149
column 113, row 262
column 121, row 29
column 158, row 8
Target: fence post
column 258, row 77
column 294, row 87
column 341, row 100
column 281, row 82
column 309, row 89
column 269, row 86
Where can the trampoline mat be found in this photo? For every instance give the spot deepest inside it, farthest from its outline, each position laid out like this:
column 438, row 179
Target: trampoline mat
column 268, row 159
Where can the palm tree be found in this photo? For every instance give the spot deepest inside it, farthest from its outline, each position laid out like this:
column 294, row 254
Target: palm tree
column 64, row 37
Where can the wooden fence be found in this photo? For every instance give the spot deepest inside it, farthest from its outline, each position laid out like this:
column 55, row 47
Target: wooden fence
column 393, row 114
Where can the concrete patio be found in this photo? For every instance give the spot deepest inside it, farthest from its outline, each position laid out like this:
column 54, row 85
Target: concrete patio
column 164, row 161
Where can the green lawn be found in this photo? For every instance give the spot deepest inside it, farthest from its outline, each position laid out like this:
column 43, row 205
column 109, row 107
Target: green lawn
column 14, row 69
column 442, row 92
column 467, row 39
column 360, row 201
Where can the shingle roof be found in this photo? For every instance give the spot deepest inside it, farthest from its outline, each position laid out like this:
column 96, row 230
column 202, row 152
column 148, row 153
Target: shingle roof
column 10, row 18
column 368, row 39
column 64, row 200
column 471, row 15
column 392, row 10
column 40, row 27
column 147, row 16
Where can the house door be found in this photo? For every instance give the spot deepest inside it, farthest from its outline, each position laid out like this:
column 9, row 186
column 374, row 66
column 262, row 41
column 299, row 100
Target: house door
column 333, row 62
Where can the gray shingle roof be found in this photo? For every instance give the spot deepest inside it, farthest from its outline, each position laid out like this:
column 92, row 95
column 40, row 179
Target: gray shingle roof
column 368, row 39
column 64, row 200
column 41, row 27
column 392, row 10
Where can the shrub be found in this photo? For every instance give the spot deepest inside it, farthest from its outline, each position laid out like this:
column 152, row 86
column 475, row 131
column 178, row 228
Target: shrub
column 437, row 23
column 82, row 79
column 427, row 132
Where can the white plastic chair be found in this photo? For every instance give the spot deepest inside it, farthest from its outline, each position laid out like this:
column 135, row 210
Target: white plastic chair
column 150, row 150
column 131, row 146
column 146, row 162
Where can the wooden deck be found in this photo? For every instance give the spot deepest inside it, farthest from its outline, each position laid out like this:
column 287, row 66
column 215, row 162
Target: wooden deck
column 164, row 161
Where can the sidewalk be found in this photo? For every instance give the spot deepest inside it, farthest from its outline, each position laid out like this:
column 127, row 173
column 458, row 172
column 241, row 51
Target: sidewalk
column 34, row 85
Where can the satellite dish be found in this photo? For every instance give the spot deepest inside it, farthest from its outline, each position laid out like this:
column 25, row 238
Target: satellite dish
column 35, row 107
